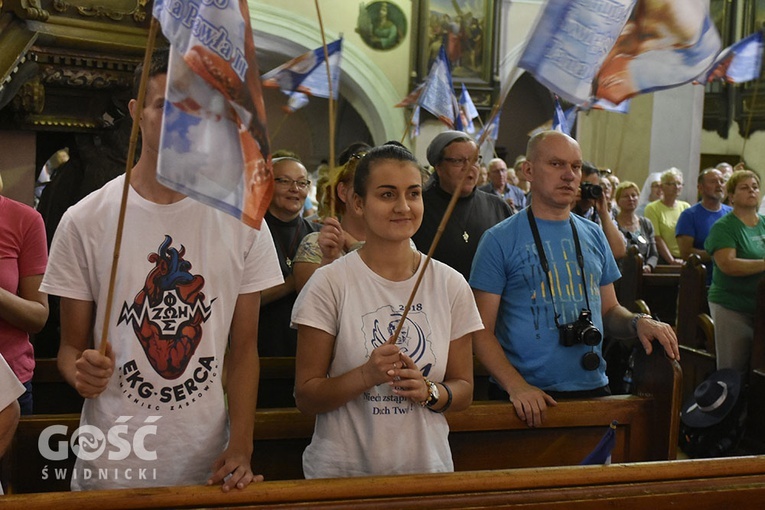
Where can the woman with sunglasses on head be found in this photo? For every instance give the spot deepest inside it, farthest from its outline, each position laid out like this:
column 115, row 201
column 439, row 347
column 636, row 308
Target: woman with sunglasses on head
column 288, row 227
column 637, row 230
column 338, row 235
column 379, row 405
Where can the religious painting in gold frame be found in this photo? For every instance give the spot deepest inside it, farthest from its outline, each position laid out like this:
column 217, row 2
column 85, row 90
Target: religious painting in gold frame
column 465, row 28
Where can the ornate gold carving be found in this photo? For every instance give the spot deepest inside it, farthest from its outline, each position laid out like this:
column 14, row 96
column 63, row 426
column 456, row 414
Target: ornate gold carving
column 76, row 69
column 140, row 13
column 31, row 97
column 49, row 122
column 115, row 9
column 29, row 9
column 83, row 78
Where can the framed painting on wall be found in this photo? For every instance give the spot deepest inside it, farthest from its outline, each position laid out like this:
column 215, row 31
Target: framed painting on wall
column 720, row 12
column 381, row 25
column 465, row 28
column 749, row 103
column 755, row 15
column 754, row 21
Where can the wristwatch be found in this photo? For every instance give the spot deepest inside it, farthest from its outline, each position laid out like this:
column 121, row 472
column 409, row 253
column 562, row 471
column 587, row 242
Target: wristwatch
column 433, row 394
column 636, row 318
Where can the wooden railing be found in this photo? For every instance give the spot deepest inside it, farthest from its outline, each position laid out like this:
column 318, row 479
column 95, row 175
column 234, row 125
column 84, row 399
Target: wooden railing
column 488, row 435
column 681, row 485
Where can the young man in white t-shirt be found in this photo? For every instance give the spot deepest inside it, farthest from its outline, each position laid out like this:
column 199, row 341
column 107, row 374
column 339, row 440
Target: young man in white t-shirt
column 186, row 296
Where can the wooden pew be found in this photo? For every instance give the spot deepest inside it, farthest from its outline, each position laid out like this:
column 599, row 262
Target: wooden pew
column 755, row 426
column 488, row 435
column 682, row 485
column 277, row 383
column 655, row 293
column 628, row 287
column 659, row 290
column 694, row 327
column 53, row 395
column 692, row 301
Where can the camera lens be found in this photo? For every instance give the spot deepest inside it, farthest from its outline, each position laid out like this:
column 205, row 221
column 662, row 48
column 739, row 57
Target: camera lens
column 590, row 335
column 591, row 191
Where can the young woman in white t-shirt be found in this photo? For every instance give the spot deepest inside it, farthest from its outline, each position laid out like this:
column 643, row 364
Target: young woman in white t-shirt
column 379, row 405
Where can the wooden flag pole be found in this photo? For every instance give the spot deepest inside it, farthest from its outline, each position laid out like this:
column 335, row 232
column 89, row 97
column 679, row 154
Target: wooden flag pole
column 153, row 27
column 408, row 127
column 493, row 149
column 331, row 108
column 437, row 237
column 279, row 128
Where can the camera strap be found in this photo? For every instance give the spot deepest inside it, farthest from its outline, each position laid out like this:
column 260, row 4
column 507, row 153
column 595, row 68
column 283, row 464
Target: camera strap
column 546, row 265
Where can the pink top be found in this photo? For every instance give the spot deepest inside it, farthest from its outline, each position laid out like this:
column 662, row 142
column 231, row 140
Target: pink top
column 23, row 252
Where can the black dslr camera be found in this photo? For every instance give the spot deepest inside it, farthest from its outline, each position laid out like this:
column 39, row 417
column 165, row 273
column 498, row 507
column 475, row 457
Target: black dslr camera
column 581, row 331
column 591, row 191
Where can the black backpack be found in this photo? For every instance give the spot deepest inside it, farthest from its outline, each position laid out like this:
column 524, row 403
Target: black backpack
column 719, row 440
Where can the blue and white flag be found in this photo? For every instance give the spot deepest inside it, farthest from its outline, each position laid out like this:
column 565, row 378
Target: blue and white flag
column 492, row 129
column 489, row 139
column 569, row 43
column 560, row 121
column 438, row 94
column 740, row 62
column 413, row 98
column 621, row 48
column 214, row 143
column 296, row 101
column 307, row 74
column 602, row 452
column 468, row 111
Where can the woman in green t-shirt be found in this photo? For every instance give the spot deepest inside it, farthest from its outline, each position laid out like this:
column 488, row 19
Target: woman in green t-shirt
column 737, row 245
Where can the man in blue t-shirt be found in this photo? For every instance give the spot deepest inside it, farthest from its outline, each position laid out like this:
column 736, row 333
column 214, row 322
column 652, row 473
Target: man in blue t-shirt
column 694, row 223
column 529, row 345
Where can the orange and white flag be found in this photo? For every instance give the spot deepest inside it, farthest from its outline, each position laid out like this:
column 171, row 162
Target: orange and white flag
column 214, row 145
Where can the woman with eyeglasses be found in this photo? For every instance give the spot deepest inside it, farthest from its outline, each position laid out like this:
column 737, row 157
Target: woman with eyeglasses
column 664, row 214
column 379, row 405
column 735, row 242
column 288, row 228
column 637, row 230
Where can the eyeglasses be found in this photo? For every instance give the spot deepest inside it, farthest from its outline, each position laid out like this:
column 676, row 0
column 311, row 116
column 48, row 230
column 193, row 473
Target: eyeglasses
column 286, row 182
column 675, row 184
column 462, row 161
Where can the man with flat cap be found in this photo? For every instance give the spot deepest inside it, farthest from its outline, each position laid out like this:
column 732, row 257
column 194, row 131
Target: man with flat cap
column 452, row 154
